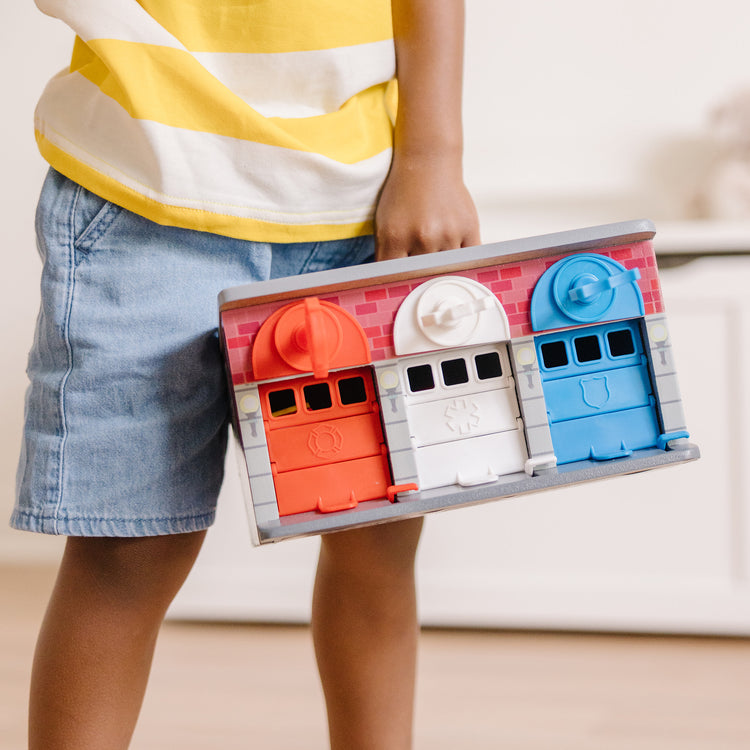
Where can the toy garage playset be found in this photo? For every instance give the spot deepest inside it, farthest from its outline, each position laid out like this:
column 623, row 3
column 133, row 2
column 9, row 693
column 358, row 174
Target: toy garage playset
column 398, row 388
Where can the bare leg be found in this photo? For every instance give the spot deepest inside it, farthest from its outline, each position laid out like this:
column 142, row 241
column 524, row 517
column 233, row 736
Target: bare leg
column 97, row 640
column 365, row 633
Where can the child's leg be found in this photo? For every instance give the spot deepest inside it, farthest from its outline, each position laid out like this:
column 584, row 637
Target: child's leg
column 365, row 632
column 96, row 643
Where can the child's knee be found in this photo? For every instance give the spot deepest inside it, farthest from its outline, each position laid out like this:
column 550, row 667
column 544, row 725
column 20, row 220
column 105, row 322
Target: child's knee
column 386, row 550
column 132, row 571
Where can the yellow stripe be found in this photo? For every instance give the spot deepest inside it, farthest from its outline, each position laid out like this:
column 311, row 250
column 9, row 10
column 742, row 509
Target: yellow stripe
column 204, row 221
column 138, row 75
column 263, row 25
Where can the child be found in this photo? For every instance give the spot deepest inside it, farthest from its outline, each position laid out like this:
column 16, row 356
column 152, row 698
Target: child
column 195, row 146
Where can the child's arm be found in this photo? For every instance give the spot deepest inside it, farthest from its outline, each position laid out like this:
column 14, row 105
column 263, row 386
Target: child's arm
column 424, row 206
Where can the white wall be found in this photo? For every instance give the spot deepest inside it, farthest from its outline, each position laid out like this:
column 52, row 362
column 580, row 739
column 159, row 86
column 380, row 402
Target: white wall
column 595, row 97
column 576, row 112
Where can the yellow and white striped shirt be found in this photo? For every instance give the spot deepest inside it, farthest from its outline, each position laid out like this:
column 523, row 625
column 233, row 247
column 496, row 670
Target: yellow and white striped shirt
column 268, row 120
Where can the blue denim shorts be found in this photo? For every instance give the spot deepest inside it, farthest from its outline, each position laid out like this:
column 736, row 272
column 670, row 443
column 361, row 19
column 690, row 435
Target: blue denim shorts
column 127, row 408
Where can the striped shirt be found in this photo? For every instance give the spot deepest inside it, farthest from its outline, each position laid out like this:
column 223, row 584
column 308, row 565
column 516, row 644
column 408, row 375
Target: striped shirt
column 268, row 120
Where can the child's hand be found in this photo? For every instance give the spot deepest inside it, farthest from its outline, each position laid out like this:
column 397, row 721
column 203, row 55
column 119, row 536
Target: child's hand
column 424, row 207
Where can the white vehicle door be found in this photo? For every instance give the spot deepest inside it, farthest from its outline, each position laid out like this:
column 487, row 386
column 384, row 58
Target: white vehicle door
column 463, row 415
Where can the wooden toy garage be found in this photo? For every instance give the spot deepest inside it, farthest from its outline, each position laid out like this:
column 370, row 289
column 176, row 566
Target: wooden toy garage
column 398, row 388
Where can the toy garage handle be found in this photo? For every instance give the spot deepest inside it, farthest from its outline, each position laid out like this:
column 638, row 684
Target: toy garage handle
column 317, row 339
column 586, row 291
column 449, row 312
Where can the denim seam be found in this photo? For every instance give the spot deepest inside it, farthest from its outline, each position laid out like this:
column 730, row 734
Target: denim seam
column 82, row 525
column 69, row 349
column 114, row 519
column 308, row 261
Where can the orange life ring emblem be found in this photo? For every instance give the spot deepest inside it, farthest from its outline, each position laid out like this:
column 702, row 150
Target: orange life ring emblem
column 325, row 441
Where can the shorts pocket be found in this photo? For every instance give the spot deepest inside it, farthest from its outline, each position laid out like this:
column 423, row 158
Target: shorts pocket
column 92, row 218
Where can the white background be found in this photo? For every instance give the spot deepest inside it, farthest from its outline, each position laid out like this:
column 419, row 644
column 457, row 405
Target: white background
column 575, row 112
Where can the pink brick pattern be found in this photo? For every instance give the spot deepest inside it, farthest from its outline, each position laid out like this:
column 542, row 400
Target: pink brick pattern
column 375, row 306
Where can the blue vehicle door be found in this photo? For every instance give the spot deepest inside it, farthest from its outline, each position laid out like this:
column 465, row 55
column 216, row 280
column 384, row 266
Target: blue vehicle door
column 600, row 401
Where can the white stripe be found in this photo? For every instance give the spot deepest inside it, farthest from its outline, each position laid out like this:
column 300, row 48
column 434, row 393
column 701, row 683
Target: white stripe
column 284, row 84
column 109, row 19
column 302, row 84
column 204, row 171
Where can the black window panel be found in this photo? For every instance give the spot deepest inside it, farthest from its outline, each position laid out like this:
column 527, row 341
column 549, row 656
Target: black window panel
column 488, row 365
column 282, row 403
column 554, row 354
column 420, row 378
column 352, row 391
column 587, row 348
column 621, row 343
column 454, row 371
column 317, row 396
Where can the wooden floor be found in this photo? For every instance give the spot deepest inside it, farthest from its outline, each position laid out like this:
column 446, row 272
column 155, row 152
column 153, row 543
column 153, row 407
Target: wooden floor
column 236, row 686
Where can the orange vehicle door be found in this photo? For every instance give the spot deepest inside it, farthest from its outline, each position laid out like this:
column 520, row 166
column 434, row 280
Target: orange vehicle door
column 325, row 441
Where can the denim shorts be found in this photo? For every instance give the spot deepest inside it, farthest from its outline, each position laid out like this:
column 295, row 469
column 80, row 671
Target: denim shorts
column 127, row 408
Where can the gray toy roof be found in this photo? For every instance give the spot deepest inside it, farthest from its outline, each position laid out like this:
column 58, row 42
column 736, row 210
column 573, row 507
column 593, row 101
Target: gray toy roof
column 448, row 261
